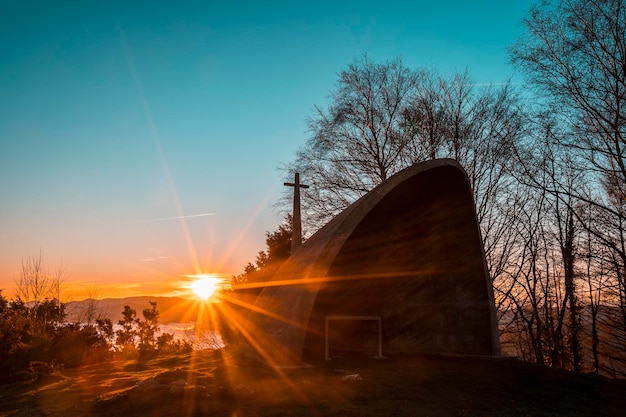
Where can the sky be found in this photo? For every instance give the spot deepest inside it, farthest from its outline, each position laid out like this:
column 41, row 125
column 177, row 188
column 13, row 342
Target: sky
column 141, row 142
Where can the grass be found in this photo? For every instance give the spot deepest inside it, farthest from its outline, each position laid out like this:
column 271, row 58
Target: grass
column 426, row 385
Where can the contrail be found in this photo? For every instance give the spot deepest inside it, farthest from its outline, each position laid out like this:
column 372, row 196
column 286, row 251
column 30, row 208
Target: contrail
column 171, row 218
column 491, row 84
column 159, row 148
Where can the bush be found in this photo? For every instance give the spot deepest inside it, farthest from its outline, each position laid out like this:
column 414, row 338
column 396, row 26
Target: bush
column 75, row 344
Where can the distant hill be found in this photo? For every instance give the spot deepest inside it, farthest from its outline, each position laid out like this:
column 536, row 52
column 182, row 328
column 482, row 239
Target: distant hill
column 171, row 309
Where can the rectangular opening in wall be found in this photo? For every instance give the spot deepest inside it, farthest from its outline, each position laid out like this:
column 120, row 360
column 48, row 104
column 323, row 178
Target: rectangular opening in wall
column 353, row 335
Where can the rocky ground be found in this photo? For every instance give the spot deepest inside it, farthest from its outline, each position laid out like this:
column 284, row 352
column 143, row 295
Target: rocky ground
column 207, row 383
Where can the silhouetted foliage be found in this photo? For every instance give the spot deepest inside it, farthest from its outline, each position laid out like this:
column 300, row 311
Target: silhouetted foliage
column 27, row 334
column 139, row 336
column 147, row 329
column 125, row 337
column 74, row 344
column 35, row 339
column 267, row 262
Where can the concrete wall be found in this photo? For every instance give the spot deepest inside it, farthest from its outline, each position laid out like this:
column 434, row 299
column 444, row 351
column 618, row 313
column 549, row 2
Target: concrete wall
column 421, row 258
column 410, row 252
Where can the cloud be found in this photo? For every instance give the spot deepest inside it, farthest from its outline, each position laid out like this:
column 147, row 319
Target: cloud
column 152, row 259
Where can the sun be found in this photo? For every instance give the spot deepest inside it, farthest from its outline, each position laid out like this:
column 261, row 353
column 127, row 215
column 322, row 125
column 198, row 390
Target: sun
column 204, row 285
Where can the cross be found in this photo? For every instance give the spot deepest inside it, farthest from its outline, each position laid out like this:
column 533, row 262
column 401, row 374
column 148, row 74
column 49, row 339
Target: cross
column 296, row 228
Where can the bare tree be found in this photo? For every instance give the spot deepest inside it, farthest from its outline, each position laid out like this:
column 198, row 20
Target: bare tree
column 385, row 117
column 524, row 327
column 425, row 119
column 574, row 54
column 596, row 280
column 37, row 284
column 34, row 283
column 358, row 141
column 89, row 310
column 58, row 281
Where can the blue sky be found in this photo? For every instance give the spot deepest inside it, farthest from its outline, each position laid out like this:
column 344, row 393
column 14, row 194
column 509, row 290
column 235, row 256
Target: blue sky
column 115, row 113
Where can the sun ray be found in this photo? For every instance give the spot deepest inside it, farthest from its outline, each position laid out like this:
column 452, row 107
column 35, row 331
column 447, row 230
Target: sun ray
column 322, row 280
column 259, row 310
column 244, row 230
column 160, row 152
column 253, row 336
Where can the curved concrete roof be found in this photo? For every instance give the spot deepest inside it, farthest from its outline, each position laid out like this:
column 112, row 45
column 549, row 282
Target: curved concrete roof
column 409, row 252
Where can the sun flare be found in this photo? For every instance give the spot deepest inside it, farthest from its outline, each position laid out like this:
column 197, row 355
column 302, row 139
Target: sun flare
column 204, row 286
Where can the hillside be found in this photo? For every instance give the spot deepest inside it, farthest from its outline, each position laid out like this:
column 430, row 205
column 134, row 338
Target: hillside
column 427, row 385
column 171, row 309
